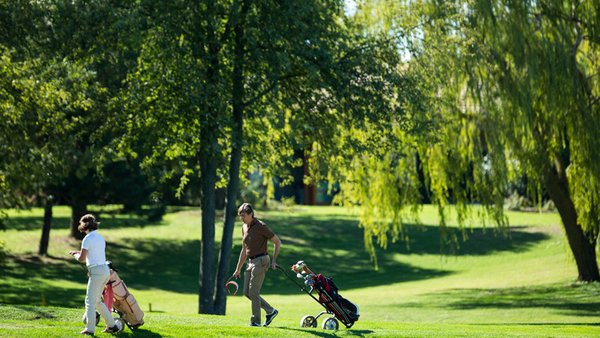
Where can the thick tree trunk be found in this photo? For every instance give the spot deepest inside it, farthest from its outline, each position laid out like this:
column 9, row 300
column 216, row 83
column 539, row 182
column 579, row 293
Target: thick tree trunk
column 227, row 238
column 45, row 239
column 78, row 209
column 237, row 136
column 207, row 255
column 209, row 150
column 582, row 246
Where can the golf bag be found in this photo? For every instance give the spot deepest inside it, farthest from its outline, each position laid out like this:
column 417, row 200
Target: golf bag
column 346, row 311
column 118, row 298
column 328, row 296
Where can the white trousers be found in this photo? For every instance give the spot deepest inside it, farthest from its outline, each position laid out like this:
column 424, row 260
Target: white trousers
column 98, row 277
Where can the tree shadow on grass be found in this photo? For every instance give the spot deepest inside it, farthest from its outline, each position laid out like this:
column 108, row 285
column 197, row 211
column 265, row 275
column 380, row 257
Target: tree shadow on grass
column 335, row 248
column 342, row 233
column 24, row 281
column 42, row 294
column 427, row 239
column 332, row 246
column 315, row 333
column 139, row 332
column 33, row 223
column 174, row 266
column 571, row 300
column 108, row 220
column 162, row 264
column 34, row 313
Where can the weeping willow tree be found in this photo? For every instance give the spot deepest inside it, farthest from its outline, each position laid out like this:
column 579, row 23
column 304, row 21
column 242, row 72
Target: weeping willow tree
column 512, row 88
column 536, row 73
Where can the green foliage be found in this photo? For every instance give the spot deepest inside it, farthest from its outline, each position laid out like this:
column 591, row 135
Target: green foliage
column 45, row 102
column 509, row 89
column 64, row 60
column 297, row 57
column 213, row 79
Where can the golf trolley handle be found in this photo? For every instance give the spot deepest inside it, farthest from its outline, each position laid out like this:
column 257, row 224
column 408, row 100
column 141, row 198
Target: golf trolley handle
column 301, row 286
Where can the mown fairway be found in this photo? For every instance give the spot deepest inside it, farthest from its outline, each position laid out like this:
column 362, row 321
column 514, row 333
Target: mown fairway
column 493, row 286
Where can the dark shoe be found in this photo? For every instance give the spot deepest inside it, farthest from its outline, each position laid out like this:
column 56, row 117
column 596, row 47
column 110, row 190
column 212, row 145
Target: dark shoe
column 270, row 317
column 255, row 324
column 87, row 333
column 113, row 329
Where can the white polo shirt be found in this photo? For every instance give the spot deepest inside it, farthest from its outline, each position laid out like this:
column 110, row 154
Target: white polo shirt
column 95, row 244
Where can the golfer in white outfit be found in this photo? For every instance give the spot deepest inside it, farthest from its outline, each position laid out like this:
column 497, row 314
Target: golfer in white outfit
column 93, row 254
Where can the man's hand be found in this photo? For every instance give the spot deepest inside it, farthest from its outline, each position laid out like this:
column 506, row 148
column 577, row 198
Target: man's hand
column 236, row 274
column 276, row 247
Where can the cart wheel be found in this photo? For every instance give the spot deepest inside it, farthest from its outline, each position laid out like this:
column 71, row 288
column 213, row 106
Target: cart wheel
column 308, row 321
column 330, row 324
column 120, row 325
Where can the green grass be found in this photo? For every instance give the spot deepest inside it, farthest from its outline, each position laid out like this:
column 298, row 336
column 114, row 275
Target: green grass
column 518, row 283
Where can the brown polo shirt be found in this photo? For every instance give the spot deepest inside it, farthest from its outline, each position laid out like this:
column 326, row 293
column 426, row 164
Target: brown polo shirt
column 256, row 238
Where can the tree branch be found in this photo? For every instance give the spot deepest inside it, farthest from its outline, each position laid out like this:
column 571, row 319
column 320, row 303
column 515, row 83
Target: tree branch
column 271, row 87
column 231, row 22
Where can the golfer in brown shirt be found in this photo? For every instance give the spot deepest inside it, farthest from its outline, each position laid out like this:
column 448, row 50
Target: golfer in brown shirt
column 255, row 235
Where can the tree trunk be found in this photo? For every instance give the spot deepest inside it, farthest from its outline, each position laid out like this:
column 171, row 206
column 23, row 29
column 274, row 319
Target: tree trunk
column 237, row 136
column 78, row 209
column 227, row 238
column 209, row 150
column 43, row 249
column 582, row 246
column 207, row 255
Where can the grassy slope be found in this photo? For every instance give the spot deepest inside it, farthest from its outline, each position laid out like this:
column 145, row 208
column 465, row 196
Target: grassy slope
column 494, row 286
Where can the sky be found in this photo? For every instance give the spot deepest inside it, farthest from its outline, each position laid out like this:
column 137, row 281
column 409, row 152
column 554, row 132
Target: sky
column 350, row 7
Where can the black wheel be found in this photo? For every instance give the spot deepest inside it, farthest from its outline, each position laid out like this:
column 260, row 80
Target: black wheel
column 330, row 324
column 120, row 324
column 308, row 321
